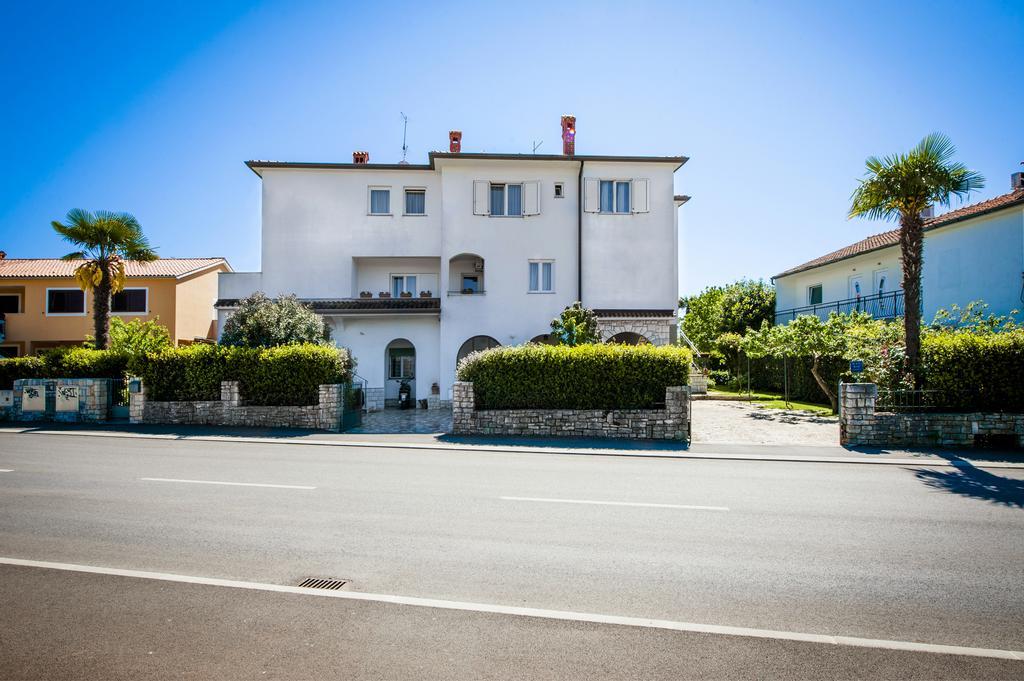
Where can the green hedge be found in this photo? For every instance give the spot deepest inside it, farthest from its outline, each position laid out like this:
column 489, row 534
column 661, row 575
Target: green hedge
column 63, row 363
column 975, row 372
column 581, row 377
column 286, row 375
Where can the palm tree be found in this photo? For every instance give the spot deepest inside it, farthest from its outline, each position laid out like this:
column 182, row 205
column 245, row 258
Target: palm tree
column 106, row 241
column 901, row 187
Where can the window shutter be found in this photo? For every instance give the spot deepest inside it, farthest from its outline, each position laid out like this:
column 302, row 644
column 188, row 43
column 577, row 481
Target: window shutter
column 591, row 195
column 641, row 199
column 531, row 197
column 481, row 197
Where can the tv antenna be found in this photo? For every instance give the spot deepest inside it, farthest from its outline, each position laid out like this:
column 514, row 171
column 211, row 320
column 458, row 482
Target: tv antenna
column 405, row 126
column 536, row 146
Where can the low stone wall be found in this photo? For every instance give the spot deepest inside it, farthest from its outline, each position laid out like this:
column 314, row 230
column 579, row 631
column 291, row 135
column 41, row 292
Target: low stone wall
column 69, row 400
column 230, row 411
column 670, row 423
column 860, row 424
column 698, row 383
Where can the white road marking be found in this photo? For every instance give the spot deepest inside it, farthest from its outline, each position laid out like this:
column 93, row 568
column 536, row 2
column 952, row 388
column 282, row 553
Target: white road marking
column 234, row 484
column 519, row 611
column 6, row 470
column 617, row 503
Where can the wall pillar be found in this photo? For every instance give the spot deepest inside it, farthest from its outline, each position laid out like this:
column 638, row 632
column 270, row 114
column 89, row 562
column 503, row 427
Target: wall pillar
column 463, row 406
column 229, row 394
column 856, row 412
column 331, row 405
column 137, row 405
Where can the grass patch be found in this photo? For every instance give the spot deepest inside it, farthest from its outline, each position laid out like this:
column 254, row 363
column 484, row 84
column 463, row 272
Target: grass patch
column 775, row 401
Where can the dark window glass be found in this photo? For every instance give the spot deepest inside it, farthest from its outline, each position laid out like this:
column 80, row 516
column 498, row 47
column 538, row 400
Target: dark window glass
column 65, row 301
column 815, row 295
column 129, row 300
column 10, row 304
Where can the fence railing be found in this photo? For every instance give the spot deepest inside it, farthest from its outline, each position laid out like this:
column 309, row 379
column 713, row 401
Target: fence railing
column 879, row 306
column 911, row 400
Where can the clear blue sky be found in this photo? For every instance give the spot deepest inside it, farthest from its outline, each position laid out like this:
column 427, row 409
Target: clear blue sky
column 151, row 108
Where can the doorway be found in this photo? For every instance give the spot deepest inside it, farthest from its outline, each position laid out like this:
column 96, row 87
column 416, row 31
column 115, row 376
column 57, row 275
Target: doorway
column 399, row 372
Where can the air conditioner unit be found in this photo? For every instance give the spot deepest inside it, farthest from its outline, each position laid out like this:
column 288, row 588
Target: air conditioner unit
column 478, row 265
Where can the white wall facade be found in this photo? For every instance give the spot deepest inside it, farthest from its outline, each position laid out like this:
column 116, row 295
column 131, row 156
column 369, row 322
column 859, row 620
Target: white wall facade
column 980, row 258
column 320, row 243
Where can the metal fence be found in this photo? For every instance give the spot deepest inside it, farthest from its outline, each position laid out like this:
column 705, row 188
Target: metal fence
column 908, row 401
column 879, row 306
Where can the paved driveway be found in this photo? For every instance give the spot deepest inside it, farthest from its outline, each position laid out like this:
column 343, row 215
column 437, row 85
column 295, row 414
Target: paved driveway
column 722, row 422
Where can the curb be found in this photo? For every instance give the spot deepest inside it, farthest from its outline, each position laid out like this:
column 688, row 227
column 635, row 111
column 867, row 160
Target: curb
column 515, row 449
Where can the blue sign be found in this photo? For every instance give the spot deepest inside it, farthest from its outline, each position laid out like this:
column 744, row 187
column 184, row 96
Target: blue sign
column 856, row 365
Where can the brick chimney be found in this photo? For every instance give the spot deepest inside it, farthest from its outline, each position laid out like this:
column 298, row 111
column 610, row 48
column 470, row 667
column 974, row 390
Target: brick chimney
column 568, row 135
column 1016, row 181
column 360, row 157
column 3, row 254
column 455, row 141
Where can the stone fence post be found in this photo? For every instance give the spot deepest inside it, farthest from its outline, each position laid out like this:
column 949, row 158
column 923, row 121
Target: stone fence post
column 331, row 405
column 137, row 405
column 677, row 402
column 856, row 412
column 463, row 406
column 229, row 394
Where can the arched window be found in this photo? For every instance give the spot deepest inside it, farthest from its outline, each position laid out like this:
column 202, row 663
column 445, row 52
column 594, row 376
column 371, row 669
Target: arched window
column 629, row 338
column 476, row 343
column 545, row 339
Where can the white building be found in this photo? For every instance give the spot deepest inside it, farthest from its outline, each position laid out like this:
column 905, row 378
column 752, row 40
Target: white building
column 415, row 266
column 972, row 253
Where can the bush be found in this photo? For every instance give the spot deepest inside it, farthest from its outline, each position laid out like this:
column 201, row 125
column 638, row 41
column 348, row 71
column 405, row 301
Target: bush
column 260, row 322
column 719, row 376
column 287, row 375
column 63, row 363
column 975, row 372
column 20, row 367
column 579, row 377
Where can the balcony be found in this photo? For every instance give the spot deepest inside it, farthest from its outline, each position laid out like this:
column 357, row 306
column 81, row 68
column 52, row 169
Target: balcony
column 879, row 306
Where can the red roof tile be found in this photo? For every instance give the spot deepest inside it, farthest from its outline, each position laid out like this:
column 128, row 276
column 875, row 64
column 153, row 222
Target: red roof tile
column 46, row 268
column 892, row 237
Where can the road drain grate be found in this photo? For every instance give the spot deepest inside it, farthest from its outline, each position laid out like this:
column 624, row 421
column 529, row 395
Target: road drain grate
column 323, row 583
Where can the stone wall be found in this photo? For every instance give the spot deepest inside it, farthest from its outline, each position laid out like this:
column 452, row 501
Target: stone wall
column 69, row 400
column 860, row 424
column 670, row 423
column 658, row 330
column 229, row 410
column 698, row 383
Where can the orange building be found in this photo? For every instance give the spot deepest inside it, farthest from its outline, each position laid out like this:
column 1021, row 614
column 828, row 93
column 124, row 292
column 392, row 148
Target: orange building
column 43, row 307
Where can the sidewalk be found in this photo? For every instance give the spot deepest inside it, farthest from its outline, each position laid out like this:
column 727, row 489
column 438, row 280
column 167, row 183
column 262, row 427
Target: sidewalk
column 625, row 448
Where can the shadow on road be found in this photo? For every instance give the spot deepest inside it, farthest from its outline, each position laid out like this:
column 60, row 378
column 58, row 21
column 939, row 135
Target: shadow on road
column 790, row 417
column 976, row 483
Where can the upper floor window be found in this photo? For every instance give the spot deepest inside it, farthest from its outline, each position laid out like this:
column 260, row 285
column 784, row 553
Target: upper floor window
column 507, row 199
column 814, row 295
column 65, row 301
column 614, row 196
column 559, row 190
column 129, row 301
column 415, row 201
column 10, row 303
column 403, row 283
column 380, row 201
column 541, row 279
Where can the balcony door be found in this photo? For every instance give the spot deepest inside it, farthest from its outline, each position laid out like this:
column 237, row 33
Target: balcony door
column 857, row 291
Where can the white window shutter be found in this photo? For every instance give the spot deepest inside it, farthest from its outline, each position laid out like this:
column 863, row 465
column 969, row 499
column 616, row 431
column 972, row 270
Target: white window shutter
column 481, row 197
column 641, row 198
column 531, row 197
column 591, row 195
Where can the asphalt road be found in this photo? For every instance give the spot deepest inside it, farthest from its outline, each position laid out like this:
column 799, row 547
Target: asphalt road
column 871, row 551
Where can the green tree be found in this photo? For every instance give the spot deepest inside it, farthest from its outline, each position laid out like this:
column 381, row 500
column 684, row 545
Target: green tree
column 136, row 337
column 106, row 241
column 260, row 322
column 900, row 187
column 576, row 325
column 702, row 318
column 734, row 308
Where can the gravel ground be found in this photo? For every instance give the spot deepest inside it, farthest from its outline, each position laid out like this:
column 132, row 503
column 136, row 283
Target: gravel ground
column 717, row 421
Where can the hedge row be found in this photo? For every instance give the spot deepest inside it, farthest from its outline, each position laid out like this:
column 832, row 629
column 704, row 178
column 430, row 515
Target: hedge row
column 975, row 372
column 63, row 363
column 285, row 375
column 581, row 377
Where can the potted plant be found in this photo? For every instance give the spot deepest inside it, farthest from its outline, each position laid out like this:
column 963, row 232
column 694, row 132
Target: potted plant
column 384, row 294
column 435, row 389
column 406, row 294
column 365, row 294
column 426, row 294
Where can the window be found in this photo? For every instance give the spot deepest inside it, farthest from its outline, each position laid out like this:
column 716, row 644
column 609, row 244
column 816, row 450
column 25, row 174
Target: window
column 470, row 283
column 614, row 196
column 403, row 363
column 10, row 303
column 559, row 190
column 415, row 201
column 541, row 280
column 380, row 201
column 65, row 301
column 129, row 301
column 476, row 344
column 814, row 295
column 507, row 199
column 403, row 283
column 8, row 351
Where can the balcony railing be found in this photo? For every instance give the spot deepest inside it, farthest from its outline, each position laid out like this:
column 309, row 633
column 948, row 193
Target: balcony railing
column 879, row 306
